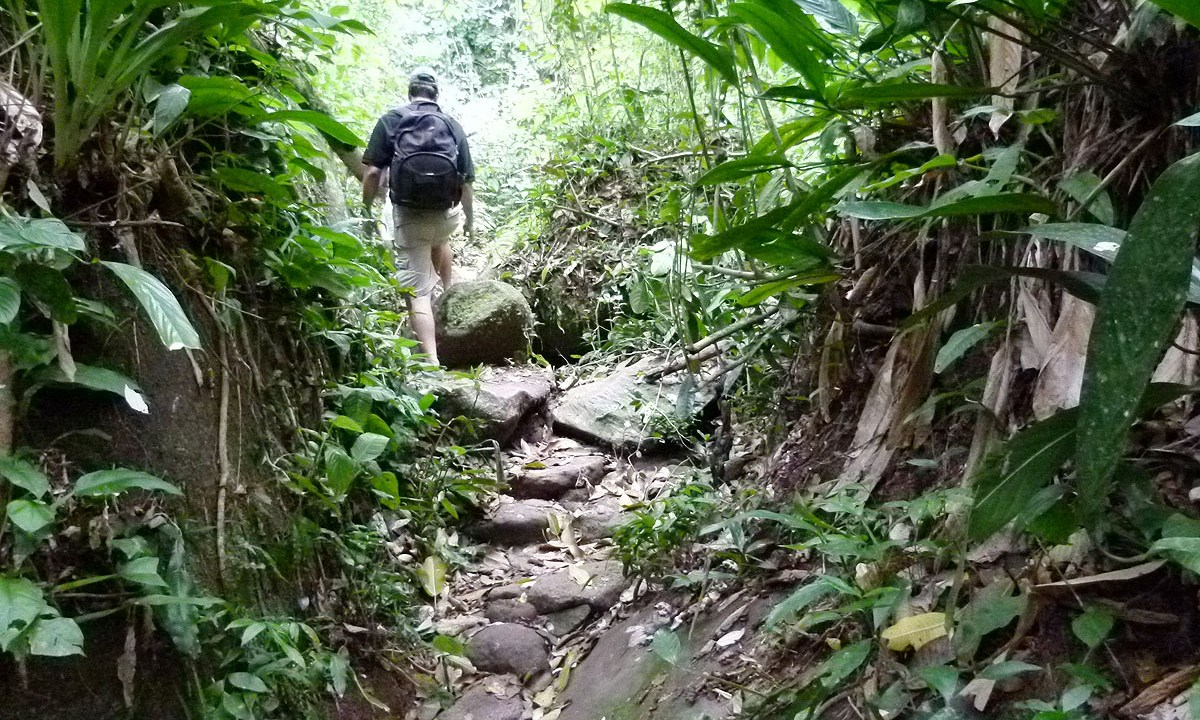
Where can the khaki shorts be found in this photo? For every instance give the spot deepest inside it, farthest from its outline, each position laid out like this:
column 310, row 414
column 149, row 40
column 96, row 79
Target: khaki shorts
column 417, row 231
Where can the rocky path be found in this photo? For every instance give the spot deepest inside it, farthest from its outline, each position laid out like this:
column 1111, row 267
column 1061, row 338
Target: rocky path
column 545, row 586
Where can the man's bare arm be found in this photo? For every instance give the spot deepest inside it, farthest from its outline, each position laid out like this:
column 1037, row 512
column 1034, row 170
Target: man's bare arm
column 370, row 187
column 468, row 203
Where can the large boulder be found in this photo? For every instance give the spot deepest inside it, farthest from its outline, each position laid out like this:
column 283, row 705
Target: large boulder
column 485, row 321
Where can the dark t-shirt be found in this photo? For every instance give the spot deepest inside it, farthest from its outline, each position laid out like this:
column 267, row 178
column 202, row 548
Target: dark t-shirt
column 383, row 138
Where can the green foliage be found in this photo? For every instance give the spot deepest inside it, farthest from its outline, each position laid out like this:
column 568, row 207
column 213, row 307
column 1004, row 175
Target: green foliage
column 98, row 50
column 662, row 24
column 647, row 542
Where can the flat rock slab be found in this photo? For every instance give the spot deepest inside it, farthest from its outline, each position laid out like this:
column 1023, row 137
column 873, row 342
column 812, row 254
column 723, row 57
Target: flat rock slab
column 508, row 648
column 566, row 621
column 478, row 703
column 603, row 582
column 596, row 519
column 559, row 475
column 516, row 523
column 500, row 399
column 625, row 412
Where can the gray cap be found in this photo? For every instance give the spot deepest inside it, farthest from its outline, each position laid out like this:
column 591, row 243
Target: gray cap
column 423, row 76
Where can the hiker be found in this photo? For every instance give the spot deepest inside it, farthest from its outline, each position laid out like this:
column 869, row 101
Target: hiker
column 429, row 170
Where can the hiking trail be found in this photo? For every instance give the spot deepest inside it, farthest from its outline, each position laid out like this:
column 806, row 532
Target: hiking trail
column 549, row 624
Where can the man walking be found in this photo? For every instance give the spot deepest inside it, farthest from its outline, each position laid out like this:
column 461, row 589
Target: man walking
column 430, row 172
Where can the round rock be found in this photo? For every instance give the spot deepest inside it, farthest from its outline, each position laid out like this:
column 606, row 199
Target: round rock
column 510, row 611
column 485, row 321
column 508, row 648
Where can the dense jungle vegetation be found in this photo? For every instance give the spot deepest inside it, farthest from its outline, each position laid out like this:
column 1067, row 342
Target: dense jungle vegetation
column 925, row 268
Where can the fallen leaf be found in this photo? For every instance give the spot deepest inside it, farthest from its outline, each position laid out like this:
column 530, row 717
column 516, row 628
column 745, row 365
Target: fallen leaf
column 730, row 638
column 915, row 631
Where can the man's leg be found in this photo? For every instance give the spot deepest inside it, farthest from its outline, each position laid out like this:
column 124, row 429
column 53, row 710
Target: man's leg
column 420, row 309
column 413, row 240
column 443, row 261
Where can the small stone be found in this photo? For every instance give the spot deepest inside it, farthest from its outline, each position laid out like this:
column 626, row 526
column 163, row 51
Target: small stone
column 458, row 625
column 560, row 475
column 516, row 523
column 569, row 620
column 559, row 590
column 507, row 592
column 510, row 611
column 479, row 704
column 508, row 648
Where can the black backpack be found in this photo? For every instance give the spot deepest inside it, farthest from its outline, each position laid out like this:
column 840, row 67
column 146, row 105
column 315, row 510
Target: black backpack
column 424, row 172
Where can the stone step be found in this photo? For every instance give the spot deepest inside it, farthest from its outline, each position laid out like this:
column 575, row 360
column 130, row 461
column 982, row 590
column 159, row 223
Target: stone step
column 559, row 474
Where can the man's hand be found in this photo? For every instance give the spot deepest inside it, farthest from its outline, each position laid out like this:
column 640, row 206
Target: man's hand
column 468, row 206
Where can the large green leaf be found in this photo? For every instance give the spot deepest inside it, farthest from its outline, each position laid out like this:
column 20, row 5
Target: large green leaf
column 1020, row 203
column 833, row 13
column 1012, row 477
column 1136, row 319
column 665, row 26
column 960, row 342
column 783, row 39
column 742, row 167
column 798, row 601
column 143, row 571
column 10, row 300
column 56, row 637
column 30, row 515
column 169, row 105
column 112, row 482
column 843, row 663
column 1015, row 472
column 24, row 475
column 95, row 378
column 340, row 471
column 900, row 92
column 325, row 124
column 1083, row 285
column 49, row 289
column 253, row 182
column 368, row 446
column 44, row 234
column 706, row 247
column 1187, row 9
column 212, row 96
column 1084, row 185
column 21, row 602
column 167, row 316
column 993, row 607
column 1103, row 241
